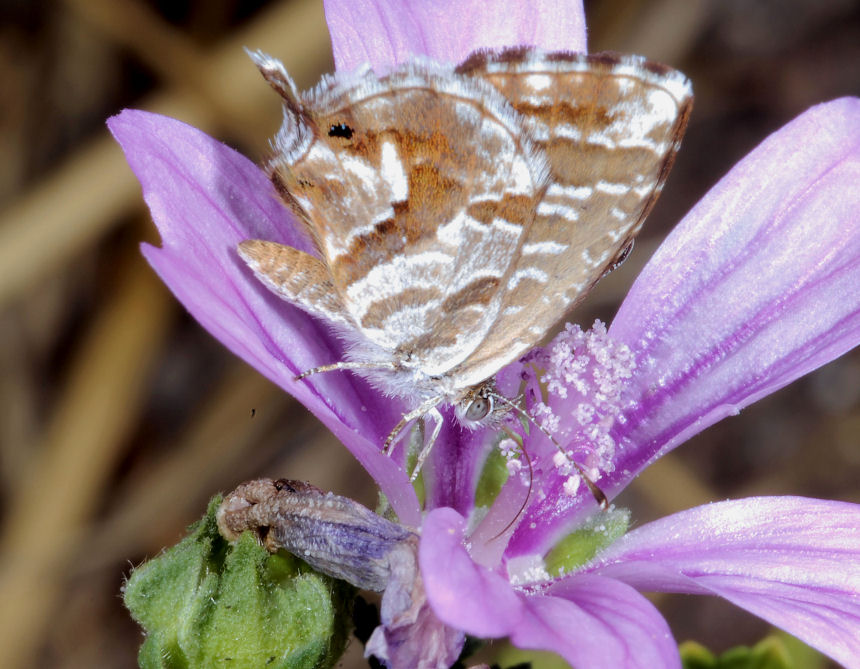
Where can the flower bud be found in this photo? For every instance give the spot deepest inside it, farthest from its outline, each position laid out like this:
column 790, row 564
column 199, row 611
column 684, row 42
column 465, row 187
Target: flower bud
column 204, row 603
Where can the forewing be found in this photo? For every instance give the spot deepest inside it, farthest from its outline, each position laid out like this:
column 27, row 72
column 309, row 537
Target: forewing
column 419, row 189
column 610, row 126
column 297, row 277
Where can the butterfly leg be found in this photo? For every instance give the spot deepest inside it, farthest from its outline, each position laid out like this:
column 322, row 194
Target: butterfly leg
column 426, row 407
column 425, row 451
column 344, row 365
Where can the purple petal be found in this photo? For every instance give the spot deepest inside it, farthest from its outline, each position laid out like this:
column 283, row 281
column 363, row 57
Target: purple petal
column 205, row 198
column 387, row 32
column 591, row 621
column 463, row 594
column 489, row 540
column 410, row 634
column 793, row 561
column 597, row 622
column 450, row 478
column 758, row 285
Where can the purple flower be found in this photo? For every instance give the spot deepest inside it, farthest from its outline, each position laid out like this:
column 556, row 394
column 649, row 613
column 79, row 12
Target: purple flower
column 758, row 285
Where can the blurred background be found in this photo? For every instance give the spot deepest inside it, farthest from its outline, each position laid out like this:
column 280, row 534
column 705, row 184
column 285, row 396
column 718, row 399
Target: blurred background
column 120, row 416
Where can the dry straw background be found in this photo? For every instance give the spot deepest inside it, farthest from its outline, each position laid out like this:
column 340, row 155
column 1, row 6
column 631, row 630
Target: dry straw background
column 120, row 417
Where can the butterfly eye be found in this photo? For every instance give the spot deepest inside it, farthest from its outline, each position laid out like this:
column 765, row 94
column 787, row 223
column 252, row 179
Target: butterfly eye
column 478, row 408
column 340, row 130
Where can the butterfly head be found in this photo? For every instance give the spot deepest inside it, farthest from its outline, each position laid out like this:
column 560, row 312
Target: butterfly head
column 479, row 406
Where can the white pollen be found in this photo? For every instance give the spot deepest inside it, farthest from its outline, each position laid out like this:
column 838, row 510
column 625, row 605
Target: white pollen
column 393, row 173
column 571, row 485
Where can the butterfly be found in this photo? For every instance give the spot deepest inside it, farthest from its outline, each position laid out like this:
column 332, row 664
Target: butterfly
column 459, row 212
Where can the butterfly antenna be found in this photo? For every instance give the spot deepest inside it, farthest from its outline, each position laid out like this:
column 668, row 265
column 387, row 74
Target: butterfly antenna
column 528, row 494
column 596, row 492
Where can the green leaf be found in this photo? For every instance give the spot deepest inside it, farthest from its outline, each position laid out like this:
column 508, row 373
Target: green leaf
column 206, row 603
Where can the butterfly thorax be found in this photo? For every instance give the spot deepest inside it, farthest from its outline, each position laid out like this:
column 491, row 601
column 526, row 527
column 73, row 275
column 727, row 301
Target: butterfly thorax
column 403, row 374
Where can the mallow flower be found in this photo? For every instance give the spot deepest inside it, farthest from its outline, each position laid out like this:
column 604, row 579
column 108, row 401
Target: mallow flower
column 757, row 285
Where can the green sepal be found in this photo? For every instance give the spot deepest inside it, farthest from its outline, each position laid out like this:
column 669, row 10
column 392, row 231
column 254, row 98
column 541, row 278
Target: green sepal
column 580, row 546
column 510, row 657
column 205, row 603
column 696, row 656
column 777, row 651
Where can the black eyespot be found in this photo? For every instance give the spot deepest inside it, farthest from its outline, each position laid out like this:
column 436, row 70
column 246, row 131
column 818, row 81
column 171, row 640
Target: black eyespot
column 340, row 130
column 478, row 408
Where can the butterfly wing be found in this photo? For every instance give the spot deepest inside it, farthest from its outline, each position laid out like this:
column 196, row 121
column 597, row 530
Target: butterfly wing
column 296, row 276
column 419, row 189
column 610, row 127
